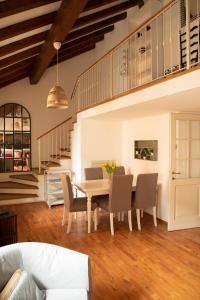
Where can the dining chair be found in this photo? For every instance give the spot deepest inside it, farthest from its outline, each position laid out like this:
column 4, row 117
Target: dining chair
column 73, row 204
column 145, row 195
column 119, row 171
column 93, row 173
column 118, row 199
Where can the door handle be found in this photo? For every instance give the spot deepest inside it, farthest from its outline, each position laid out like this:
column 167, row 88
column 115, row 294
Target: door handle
column 176, row 173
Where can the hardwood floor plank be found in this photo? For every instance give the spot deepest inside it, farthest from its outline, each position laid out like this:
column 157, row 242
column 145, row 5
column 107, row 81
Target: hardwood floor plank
column 153, row 264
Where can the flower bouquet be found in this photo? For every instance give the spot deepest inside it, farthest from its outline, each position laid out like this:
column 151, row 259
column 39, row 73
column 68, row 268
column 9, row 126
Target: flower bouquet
column 110, row 168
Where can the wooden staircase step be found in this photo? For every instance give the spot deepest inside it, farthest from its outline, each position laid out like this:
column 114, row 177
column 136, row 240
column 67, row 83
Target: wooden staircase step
column 8, row 196
column 50, row 163
column 65, row 149
column 60, row 156
column 16, row 185
column 28, row 177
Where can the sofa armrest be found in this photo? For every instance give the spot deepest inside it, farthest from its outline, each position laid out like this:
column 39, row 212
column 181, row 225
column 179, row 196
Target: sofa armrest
column 54, row 267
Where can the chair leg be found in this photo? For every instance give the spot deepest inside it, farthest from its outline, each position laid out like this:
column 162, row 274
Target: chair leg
column 154, row 216
column 138, row 218
column 122, row 216
column 111, row 224
column 130, row 220
column 119, row 216
column 95, row 219
column 64, row 219
column 142, row 213
column 69, row 222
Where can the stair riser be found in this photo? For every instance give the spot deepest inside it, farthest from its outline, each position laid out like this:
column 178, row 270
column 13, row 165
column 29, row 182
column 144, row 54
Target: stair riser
column 18, row 191
column 24, row 181
column 20, row 201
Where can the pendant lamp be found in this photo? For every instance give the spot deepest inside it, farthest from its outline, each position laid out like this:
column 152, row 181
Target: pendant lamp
column 56, row 97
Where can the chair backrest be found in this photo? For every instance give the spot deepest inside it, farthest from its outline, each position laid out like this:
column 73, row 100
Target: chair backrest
column 67, row 191
column 119, row 171
column 93, row 173
column 120, row 193
column 146, row 190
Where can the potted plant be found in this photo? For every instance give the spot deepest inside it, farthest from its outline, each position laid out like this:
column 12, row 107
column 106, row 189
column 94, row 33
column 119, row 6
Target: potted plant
column 110, row 168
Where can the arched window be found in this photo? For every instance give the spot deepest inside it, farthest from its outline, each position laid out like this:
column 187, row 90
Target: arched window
column 15, row 138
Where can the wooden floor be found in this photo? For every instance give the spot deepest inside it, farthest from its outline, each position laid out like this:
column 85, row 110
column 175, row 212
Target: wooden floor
column 149, row 265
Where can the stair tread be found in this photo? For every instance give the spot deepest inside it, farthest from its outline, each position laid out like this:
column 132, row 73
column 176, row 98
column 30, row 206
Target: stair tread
column 50, row 163
column 28, row 177
column 16, row 185
column 7, row 196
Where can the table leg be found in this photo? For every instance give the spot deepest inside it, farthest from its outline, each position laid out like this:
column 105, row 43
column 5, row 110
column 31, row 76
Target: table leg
column 89, row 212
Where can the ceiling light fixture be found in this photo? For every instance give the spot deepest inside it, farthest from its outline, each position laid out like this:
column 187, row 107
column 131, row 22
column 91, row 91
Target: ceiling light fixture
column 56, row 97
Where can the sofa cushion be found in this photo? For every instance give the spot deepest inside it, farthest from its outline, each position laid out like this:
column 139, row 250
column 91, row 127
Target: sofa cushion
column 25, row 288
column 63, row 294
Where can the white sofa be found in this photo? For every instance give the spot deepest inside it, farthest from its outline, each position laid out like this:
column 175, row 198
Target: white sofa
column 62, row 273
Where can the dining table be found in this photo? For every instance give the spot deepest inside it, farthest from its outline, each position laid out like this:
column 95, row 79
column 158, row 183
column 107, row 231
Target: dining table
column 93, row 188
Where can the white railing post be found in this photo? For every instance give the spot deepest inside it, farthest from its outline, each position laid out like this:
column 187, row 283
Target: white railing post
column 39, row 155
column 187, row 7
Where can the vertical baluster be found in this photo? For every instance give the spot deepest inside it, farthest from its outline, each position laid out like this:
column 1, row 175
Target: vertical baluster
column 39, row 155
column 157, row 49
column 60, row 146
column 187, row 6
column 198, row 24
column 56, row 150
column 48, row 152
column 111, row 74
column 170, row 37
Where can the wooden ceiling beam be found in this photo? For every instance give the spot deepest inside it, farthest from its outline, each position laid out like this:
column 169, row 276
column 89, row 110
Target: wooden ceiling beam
column 65, row 19
column 12, row 79
column 104, row 13
column 8, row 8
column 19, row 56
column 23, row 73
column 93, row 37
column 23, row 43
column 22, row 65
column 25, row 26
column 15, row 46
column 92, row 4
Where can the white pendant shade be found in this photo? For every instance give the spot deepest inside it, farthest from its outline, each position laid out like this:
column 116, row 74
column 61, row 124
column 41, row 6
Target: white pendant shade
column 57, row 98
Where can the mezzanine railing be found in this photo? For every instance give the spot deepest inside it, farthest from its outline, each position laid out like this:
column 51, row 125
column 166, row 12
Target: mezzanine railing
column 164, row 45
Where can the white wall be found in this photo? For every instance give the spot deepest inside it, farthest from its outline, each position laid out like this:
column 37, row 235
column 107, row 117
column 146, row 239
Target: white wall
column 98, row 140
column 110, row 139
column 156, row 127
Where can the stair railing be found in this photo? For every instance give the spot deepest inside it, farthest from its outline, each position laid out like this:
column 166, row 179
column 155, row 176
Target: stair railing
column 53, row 142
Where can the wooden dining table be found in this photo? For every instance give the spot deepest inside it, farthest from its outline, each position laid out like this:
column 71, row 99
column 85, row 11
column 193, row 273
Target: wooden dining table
column 94, row 188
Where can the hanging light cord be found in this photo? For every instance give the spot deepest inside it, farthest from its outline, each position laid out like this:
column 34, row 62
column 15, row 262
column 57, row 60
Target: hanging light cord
column 57, row 69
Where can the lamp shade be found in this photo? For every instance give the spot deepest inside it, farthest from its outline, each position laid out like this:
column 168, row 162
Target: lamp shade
column 57, row 98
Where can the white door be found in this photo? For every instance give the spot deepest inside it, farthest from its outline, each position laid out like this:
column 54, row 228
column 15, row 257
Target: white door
column 184, row 204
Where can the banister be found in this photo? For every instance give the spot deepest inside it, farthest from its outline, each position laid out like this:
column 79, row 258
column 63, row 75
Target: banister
column 65, row 121
column 121, row 42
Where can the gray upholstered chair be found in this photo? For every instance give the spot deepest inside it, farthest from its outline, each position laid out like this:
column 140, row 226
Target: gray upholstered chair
column 71, row 204
column 119, row 171
column 118, row 200
column 62, row 273
column 145, row 195
column 93, row 173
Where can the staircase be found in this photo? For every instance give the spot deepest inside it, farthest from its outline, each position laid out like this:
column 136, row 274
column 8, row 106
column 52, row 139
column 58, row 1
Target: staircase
column 54, row 147
column 19, row 188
